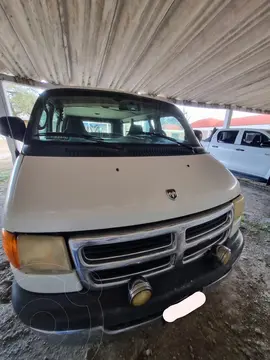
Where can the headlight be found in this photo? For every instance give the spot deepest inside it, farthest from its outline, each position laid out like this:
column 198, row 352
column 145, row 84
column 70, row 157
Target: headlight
column 239, row 205
column 38, row 254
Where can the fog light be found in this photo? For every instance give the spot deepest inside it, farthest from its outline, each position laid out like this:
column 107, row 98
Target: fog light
column 140, row 291
column 223, row 254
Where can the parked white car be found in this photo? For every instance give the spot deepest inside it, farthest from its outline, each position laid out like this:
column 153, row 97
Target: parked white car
column 243, row 151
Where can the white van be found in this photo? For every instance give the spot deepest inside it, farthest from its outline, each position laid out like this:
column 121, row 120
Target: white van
column 108, row 221
column 245, row 151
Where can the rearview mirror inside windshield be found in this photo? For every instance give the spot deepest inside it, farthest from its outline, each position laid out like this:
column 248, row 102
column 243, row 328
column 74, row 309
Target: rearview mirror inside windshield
column 129, row 105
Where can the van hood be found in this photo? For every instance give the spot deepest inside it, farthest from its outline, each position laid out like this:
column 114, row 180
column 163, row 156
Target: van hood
column 61, row 194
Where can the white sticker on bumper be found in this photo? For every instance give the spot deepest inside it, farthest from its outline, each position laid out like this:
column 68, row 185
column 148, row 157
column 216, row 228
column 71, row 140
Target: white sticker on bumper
column 184, row 307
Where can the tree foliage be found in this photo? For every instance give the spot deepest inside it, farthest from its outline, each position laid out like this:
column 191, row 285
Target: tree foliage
column 22, row 99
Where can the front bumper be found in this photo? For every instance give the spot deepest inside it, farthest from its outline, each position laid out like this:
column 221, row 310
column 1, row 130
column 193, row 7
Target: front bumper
column 108, row 311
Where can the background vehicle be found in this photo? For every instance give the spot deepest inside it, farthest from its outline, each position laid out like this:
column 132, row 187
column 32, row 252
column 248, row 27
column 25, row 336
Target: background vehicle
column 243, row 151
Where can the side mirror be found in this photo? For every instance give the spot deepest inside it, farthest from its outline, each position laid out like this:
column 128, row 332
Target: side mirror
column 12, row 126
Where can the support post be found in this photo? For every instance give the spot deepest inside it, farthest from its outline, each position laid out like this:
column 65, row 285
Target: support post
column 227, row 119
column 5, row 110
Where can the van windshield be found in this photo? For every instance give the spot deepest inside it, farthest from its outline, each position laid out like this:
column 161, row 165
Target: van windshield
column 86, row 117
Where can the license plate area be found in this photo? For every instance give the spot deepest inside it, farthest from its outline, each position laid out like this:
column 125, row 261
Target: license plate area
column 184, row 307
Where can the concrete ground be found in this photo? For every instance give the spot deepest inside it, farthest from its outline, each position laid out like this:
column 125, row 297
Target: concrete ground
column 234, row 324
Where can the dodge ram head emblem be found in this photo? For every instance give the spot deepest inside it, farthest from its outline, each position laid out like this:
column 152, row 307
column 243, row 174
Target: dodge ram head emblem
column 171, row 193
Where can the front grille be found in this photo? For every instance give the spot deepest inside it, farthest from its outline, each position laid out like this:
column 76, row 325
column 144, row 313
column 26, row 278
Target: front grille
column 122, row 273
column 114, row 258
column 200, row 238
column 196, row 231
column 204, row 246
column 119, row 251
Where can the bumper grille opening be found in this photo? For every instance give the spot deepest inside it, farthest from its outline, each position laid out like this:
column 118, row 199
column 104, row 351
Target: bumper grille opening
column 199, row 230
column 105, row 276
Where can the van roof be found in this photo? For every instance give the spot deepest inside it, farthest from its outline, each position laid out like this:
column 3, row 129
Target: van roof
column 84, row 90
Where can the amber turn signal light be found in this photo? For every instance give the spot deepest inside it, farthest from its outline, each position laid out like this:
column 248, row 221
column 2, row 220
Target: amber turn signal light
column 10, row 248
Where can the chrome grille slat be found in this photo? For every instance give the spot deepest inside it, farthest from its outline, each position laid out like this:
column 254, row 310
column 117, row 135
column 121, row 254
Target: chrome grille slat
column 180, row 249
column 197, row 254
column 212, row 234
column 127, row 262
column 166, row 249
column 219, row 226
column 157, row 269
column 118, row 258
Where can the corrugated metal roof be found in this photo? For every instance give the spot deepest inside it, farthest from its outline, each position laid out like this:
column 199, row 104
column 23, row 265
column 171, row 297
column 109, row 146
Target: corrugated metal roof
column 209, row 51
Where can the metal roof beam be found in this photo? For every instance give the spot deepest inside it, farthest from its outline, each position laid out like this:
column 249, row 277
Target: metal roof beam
column 45, row 85
column 27, row 82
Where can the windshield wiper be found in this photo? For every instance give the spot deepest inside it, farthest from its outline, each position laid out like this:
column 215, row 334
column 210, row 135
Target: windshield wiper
column 169, row 138
column 95, row 139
